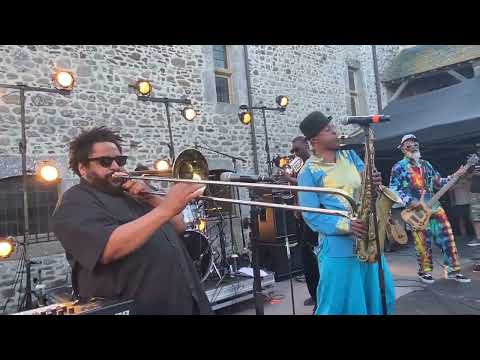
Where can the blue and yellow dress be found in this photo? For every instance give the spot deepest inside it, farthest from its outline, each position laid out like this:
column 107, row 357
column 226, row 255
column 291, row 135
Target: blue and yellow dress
column 347, row 286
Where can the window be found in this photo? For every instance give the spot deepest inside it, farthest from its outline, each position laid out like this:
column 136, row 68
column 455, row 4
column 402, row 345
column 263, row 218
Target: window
column 42, row 199
column 223, row 74
column 353, row 90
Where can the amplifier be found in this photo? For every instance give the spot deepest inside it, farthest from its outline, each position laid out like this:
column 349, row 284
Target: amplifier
column 97, row 307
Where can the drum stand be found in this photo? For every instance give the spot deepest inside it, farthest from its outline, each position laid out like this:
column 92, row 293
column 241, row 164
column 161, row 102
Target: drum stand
column 216, row 270
column 223, row 254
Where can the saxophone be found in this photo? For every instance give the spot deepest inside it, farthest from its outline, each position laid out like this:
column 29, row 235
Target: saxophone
column 365, row 246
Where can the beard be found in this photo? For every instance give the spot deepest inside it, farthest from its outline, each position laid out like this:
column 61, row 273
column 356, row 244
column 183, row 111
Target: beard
column 105, row 184
column 414, row 155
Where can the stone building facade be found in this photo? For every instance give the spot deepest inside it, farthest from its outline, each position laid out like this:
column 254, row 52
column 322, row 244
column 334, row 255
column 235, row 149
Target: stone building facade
column 313, row 77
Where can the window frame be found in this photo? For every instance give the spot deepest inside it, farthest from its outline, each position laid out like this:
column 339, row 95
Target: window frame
column 225, row 73
column 353, row 94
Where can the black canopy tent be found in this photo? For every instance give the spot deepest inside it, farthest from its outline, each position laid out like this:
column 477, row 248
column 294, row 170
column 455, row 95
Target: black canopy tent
column 439, row 118
column 445, row 121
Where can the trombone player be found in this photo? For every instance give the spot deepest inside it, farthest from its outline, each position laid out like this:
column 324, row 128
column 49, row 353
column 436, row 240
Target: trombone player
column 347, row 286
column 123, row 244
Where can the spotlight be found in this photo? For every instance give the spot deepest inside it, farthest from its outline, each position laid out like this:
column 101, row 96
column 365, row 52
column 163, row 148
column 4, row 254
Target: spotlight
column 48, row 172
column 245, row 117
column 189, row 113
column 63, row 80
column 143, row 87
column 161, row 165
column 7, row 246
column 202, row 225
column 281, row 161
column 282, row 101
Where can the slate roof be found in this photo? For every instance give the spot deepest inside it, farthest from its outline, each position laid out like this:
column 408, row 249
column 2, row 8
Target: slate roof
column 423, row 58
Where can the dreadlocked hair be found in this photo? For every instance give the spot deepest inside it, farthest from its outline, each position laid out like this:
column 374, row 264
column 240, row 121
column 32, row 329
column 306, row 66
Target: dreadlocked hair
column 81, row 147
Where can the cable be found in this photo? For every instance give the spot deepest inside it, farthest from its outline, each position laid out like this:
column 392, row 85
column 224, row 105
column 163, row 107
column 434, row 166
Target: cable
column 16, row 278
column 434, row 292
column 12, row 289
column 22, row 270
column 21, row 282
column 9, row 93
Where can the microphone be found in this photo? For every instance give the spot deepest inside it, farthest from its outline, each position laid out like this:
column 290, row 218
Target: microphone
column 365, row 120
column 228, row 176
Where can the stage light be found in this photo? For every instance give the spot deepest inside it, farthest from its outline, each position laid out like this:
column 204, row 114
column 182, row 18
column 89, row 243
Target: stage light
column 7, row 246
column 161, row 165
column 48, row 172
column 281, row 161
column 143, row 87
column 245, row 117
column 282, row 101
column 202, row 225
column 189, row 113
column 63, row 80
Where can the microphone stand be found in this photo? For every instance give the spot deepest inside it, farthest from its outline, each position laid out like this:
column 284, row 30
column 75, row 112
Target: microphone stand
column 373, row 210
column 237, row 193
column 289, row 258
column 257, row 282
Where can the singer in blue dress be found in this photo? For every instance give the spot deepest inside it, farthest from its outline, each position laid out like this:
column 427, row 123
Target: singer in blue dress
column 347, row 286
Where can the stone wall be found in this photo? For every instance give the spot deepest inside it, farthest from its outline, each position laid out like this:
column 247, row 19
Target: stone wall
column 314, row 77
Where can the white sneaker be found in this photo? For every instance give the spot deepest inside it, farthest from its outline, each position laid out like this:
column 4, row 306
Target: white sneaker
column 458, row 277
column 426, row 278
column 474, row 242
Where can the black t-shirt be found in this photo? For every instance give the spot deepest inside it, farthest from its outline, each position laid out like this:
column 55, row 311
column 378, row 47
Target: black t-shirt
column 159, row 276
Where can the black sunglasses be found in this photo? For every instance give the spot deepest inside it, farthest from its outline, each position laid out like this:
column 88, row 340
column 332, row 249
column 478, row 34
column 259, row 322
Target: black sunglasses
column 106, row 161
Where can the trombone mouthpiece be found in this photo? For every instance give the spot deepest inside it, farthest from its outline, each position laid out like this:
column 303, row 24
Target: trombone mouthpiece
column 120, row 177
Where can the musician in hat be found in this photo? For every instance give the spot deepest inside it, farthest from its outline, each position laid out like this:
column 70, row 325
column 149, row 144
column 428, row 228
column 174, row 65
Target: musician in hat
column 410, row 177
column 347, row 286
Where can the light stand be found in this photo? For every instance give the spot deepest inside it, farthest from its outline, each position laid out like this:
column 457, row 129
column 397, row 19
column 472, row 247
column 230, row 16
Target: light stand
column 167, row 102
column 267, row 146
column 23, row 151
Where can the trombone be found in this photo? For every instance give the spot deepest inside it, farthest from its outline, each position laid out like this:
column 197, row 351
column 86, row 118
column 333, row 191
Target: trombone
column 191, row 167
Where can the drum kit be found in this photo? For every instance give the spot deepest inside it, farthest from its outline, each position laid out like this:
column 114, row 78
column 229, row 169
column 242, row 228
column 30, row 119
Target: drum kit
column 196, row 240
column 191, row 166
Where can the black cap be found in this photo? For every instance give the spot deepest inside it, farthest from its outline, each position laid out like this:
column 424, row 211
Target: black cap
column 313, row 124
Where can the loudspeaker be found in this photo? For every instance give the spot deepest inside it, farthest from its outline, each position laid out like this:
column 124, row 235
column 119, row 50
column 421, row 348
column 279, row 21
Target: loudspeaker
column 274, row 258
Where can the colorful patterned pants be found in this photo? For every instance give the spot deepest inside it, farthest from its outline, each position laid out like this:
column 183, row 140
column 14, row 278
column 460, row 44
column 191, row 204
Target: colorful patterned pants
column 440, row 231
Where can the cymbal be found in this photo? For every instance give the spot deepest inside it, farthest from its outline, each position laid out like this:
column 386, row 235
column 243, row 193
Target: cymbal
column 214, row 209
